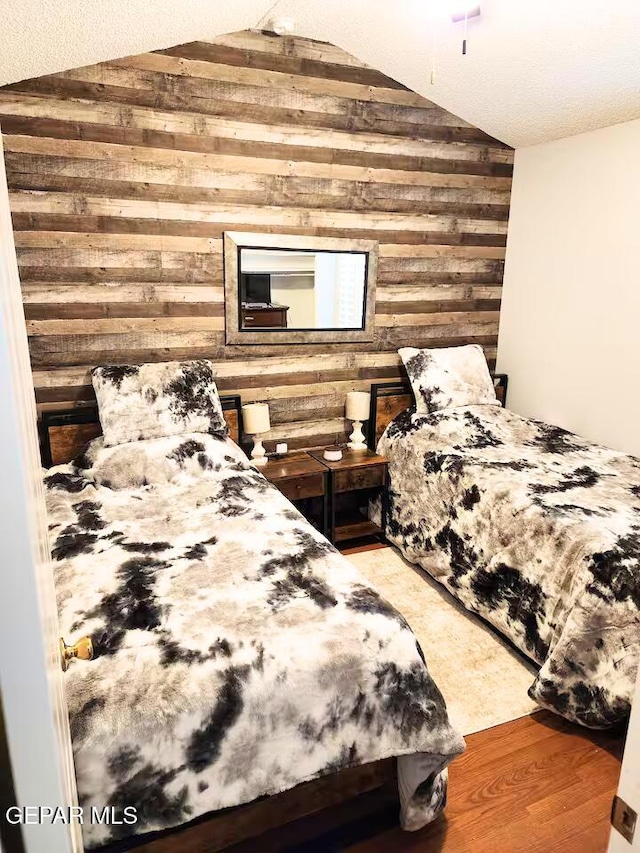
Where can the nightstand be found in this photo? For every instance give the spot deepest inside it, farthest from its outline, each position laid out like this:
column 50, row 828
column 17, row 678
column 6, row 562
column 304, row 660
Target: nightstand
column 353, row 481
column 303, row 480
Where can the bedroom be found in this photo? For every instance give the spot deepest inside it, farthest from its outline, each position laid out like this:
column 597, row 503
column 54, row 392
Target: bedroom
column 486, row 199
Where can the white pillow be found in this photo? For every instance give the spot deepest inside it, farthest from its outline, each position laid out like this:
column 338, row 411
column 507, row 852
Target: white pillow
column 141, row 401
column 449, row 377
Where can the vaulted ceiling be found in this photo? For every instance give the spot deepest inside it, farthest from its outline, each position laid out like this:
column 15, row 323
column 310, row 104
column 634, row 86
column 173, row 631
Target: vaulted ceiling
column 535, row 69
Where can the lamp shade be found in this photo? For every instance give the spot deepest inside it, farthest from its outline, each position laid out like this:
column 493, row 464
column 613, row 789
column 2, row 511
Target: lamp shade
column 358, row 405
column 256, row 418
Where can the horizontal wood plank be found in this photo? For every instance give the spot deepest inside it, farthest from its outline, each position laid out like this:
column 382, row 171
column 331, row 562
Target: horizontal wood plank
column 46, row 293
column 354, row 116
column 28, row 115
column 59, row 211
column 123, row 326
column 196, row 69
column 261, row 42
column 289, row 63
column 104, row 309
column 465, row 162
column 276, row 193
column 444, row 173
column 185, row 181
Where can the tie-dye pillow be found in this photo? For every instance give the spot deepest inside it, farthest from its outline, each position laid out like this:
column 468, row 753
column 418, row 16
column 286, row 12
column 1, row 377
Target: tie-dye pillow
column 448, row 377
column 136, row 402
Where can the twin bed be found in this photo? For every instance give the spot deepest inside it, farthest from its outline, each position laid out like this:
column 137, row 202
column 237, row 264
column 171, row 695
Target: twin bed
column 239, row 655
column 529, row 526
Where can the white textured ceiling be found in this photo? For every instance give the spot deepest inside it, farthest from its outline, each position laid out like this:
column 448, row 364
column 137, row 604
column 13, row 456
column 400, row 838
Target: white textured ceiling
column 44, row 36
column 535, row 69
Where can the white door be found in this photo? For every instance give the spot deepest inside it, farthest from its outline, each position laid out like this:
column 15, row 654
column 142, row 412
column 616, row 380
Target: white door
column 35, row 713
column 629, row 787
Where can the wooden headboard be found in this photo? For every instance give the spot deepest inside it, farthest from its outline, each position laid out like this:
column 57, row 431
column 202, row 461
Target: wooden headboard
column 64, row 434
column 388, row 399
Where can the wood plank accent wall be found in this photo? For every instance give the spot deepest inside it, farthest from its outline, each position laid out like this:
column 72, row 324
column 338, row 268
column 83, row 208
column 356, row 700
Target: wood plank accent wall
column 124, row 176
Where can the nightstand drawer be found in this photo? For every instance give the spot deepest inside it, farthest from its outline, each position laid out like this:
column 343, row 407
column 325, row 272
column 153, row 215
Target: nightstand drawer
column 359, row 478
column 297, row 488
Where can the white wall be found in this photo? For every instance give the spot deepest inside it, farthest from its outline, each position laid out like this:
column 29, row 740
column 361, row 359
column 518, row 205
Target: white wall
column 296, row 291
column 325, row 290
column 570, row 320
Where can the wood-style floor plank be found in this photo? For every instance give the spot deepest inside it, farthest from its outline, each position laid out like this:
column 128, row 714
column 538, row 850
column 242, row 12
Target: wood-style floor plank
column 534, row 785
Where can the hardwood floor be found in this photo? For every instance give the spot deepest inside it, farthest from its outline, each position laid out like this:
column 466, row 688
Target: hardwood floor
column 535, row 785
column 532, row 785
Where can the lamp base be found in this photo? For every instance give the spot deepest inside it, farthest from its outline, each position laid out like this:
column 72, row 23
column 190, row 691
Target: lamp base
column 258, row 453
column 356, row 439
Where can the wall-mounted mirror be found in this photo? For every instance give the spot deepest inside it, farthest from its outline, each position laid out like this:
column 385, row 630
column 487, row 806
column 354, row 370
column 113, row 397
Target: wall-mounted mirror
column 291, row 289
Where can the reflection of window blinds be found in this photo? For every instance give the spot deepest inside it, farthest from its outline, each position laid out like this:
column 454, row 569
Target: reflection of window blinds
column 350, row 290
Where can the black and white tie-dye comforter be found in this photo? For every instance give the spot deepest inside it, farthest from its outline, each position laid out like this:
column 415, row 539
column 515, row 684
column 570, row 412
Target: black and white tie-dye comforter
column 538, row 531
column 237, row 653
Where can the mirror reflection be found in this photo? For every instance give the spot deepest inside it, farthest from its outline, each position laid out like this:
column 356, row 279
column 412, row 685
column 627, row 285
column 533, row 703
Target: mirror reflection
column 303, row 290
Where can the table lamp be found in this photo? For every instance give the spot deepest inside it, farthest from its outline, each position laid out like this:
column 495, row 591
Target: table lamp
column 357, row 410
column 255, row 417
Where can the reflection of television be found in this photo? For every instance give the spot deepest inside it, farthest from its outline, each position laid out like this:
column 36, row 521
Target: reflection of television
column 255, row 287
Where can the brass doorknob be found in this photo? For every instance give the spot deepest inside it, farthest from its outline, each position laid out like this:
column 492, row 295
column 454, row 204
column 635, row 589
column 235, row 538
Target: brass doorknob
column 83, row 650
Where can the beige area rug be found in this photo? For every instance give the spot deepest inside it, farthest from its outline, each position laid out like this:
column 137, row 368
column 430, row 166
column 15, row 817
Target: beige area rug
column 483, row 680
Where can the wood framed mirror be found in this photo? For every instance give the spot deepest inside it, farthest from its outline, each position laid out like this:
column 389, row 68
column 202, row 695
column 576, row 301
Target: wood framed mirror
column 286, row 289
